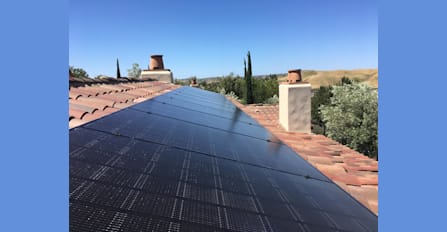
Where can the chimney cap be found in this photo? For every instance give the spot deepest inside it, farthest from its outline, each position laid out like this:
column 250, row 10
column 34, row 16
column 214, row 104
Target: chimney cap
column 156, row 55
column 294, row 76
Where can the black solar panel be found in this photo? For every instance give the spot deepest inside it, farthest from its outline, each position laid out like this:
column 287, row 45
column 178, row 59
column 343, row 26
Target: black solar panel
column 189, row 160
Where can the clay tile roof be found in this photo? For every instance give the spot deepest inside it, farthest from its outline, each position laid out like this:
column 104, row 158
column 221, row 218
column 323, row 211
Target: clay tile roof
column 74, row 95
column 88, row 102
column 75, row 122
column 75, row 113
column 81, row 107
column 75, row 92
column 113, row 88
column 85, row 91
column 93, row 101
column 355, row 173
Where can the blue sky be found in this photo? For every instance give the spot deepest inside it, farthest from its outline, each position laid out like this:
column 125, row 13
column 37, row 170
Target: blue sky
column 211, row 38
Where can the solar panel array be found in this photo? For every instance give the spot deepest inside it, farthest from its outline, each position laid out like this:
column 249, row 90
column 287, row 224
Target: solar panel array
column 189, row 160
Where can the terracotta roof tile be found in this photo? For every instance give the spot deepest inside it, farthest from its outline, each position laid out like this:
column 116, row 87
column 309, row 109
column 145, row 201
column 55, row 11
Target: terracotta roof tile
column 76, row 113
column 87, row 91
column 106, row 102
column 88, row 103
column 115, row 97
column 113, row 88
column 124, row 105
column 74, row 95
column 141, row 99
column 352, row 171
column 98, row 103
column 79, row 92
column 84, row 108
column 75, row 122
column 320, row 160
column 99, row 114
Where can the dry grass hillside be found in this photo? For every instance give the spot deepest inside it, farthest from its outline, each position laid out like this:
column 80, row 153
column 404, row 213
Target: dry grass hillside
column 324, row 78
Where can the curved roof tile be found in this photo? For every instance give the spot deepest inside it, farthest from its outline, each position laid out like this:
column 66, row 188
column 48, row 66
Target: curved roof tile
column 76, row 91
column 74, row 95
column 76, row 113
column 112, row 97
column 91, row 102
column 75, row 122
column 96, row 105
column 80, row 107
column 95, row 101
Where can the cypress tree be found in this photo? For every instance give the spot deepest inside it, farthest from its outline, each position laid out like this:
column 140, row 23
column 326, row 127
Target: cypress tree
column 249, row 82
column 245, row 69
column 118, row 73
column 246, row 85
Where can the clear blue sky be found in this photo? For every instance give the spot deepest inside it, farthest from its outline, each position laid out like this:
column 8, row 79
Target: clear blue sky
column 211, row 38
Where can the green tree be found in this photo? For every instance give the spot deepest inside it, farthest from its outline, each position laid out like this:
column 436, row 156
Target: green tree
column 118, row 73
column 180, row 82
column 135, row 71
column 345, row 81
column 272, row 77
column 320, row 97
column 264, row 88
column 351, row 117
column 78, row 72
column 248, row 81
column 203, row 84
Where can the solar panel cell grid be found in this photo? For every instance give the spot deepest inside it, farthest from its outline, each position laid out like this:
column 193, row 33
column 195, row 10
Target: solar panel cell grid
column 197, row 163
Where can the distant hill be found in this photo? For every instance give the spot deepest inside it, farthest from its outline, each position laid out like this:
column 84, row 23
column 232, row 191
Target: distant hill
column 324, row 78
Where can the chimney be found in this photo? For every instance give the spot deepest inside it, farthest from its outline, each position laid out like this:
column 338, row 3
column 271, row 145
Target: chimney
column 157, row 70
column 193, row 83
column 294, row 76
column 156, row 62
column 294, row 103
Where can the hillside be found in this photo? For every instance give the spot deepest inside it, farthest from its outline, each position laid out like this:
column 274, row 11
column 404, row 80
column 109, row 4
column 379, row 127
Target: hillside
column 324, row 78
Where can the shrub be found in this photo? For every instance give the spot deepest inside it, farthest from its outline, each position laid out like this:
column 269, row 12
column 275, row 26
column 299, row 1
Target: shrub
column 351, row 117
column 273, row 100
column 320, row 97
column 233, row 95
column 221, row 90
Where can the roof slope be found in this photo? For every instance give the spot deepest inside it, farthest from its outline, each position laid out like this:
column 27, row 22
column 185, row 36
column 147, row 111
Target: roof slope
column 189, row 160
column 354, row 172
column 90, row 102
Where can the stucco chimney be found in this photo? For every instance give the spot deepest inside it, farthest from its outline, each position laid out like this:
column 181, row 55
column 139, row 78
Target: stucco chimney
column 156, row 62
column 294, row 103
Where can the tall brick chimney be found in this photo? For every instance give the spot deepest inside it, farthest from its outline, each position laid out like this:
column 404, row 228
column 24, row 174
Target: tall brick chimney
column 156, row 62
column 294, row 103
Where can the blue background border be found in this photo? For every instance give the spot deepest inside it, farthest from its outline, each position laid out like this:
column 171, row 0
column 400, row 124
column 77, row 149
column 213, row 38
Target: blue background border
column 34, row 115
column 412, row 104
column 34, row 143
